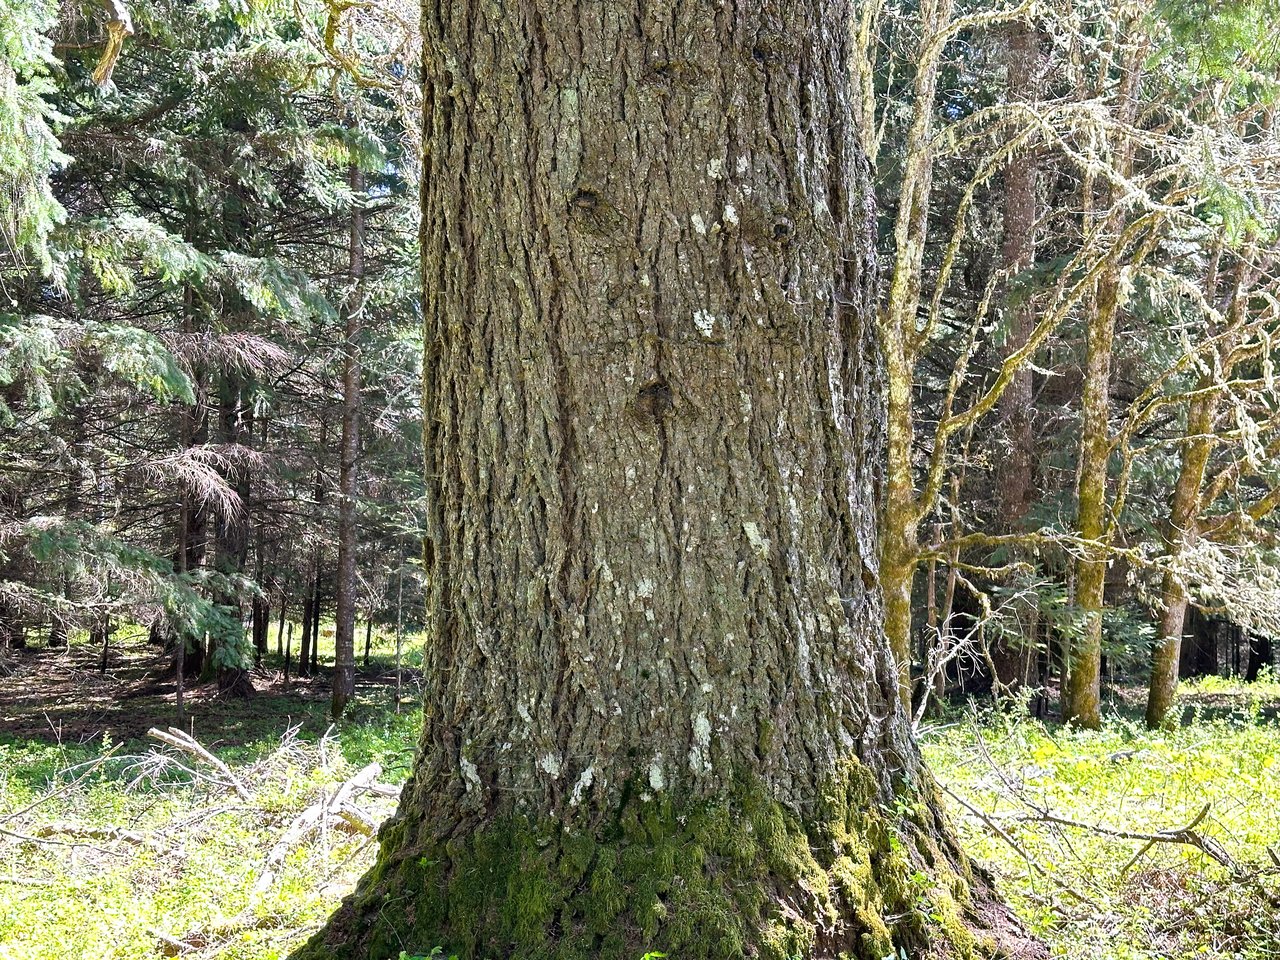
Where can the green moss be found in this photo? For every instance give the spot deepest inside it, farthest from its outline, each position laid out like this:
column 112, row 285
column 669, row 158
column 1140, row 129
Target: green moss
column 738, row 877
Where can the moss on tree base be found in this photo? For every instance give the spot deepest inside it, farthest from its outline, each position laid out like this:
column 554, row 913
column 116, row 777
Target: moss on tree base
column 736, row 877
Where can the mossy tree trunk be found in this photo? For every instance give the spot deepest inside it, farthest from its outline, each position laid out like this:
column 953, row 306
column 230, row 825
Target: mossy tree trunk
column 1082, row 702
column 904, row 508
column 1184, row 515
column 661, row 712
column 1082, row 696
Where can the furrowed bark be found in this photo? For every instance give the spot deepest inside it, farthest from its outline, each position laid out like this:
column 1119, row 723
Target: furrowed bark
column 662, row 714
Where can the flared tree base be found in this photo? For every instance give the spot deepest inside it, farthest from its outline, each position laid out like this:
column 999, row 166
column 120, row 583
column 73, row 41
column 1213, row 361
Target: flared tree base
column 737, row 877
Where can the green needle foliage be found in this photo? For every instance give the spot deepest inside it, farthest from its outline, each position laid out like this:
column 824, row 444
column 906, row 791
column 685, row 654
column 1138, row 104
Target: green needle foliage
column 29, row 150
column 170, row 326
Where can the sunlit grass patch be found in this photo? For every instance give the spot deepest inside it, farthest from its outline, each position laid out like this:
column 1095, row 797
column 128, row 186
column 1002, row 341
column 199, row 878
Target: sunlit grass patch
column 188, row 888
column 149, row 854
column 1096, row 895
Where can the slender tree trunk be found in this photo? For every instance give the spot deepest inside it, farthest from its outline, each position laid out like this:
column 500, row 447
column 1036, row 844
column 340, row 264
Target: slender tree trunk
column 1185, row 510
column 399, row 634
column 1179, row 536
column 931, row 649
column 938, row 644
column 13, row 631
column 179, row 636
column 661, row 714
column 304, row 647
column 260, row 607
column 311, row 611
column 280, row 626
column 100, row 636
column 179, row 686
column 193, row 523
column 1083, row 701
column 316, row 609
column 900, row 551
column 1016, row 477
column 344, row 656
column 288, row 652
column 231, row 539
column 902, row 509
column 1084, row 692
column 78, row 419
column 260, row 616
column 368, row 638
column 13, row 634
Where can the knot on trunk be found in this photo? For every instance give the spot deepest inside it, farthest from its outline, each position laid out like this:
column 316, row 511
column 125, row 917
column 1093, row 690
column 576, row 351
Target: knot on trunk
column 653, row 401
column 592, row 213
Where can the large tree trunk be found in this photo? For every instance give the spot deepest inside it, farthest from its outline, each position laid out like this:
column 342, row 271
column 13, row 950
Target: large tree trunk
column 661, row 712
column 344, row 643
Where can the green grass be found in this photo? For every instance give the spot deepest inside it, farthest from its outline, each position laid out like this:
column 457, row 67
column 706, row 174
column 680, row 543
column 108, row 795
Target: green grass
column 192, row 879
column 1090, row 895
column 382, row 645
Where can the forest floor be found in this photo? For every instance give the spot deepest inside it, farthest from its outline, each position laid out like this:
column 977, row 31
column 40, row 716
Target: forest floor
column 1117, row 845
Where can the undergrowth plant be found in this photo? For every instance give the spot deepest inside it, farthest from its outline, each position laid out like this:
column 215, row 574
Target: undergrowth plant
column 1060, row 814
column 122, row 852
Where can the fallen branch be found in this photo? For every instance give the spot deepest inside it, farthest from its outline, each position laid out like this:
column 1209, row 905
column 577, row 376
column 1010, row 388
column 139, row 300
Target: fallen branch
column 92, row 833
column 1185, row 835
column 173, row 947
column 48, row 795
column 1003, row 834
column 358, row 821
column 50, row 841
column 30, row 882
column 187, row 744
column 314, row 816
